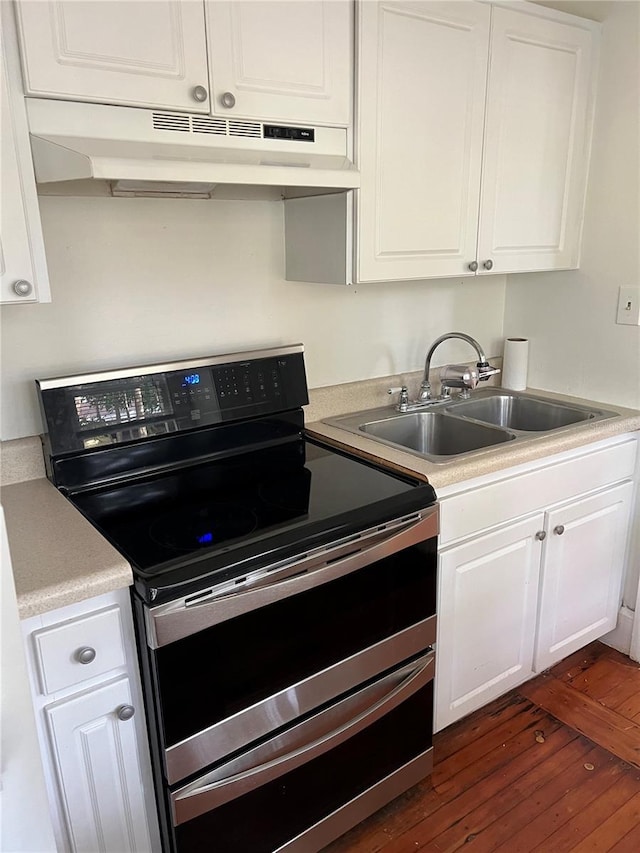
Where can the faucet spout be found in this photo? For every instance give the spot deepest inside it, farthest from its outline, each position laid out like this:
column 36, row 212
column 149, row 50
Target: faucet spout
column 485, row 370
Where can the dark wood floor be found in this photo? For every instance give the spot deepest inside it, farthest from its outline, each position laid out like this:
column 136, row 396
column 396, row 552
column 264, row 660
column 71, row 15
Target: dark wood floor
column 553, row 766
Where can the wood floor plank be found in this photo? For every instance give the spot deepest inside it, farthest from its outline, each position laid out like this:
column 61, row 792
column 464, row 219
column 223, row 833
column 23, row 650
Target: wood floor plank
column 587, row 820
column 476, row 725
column 609, row 729
column 501, row 752
column 603, row 677
column 579, row 661
column 629, row 844
column 494, row 785
column 614, row 830
column 591, row 785
column 497, row 819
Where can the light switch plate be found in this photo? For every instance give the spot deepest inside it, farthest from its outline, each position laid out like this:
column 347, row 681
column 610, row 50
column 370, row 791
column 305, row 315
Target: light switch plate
column 629, row 306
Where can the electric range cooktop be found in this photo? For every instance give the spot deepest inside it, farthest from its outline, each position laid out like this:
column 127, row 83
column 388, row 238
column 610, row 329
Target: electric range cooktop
column 187, row 487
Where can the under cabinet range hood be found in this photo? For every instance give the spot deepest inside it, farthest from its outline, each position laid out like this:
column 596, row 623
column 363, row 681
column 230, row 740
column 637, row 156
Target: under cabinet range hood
column 140, row 147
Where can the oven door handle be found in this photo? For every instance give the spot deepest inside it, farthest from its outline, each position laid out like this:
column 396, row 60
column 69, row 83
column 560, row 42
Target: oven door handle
column 183, row 617
column 256, row 768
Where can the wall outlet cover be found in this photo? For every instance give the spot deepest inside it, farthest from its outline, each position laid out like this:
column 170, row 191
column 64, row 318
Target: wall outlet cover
column 628, row 306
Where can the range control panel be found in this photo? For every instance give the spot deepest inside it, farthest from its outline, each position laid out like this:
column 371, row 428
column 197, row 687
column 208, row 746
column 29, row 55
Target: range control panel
column 252, row 386
column 131, row 405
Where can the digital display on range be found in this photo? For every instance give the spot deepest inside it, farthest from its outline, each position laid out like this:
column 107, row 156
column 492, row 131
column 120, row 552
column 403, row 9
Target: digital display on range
column 191, row 379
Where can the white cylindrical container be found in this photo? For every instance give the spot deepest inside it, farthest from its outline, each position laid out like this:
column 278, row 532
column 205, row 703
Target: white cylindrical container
column 515, row 362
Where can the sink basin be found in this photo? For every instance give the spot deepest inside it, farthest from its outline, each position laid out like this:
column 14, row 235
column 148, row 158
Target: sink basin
column 448, row 428
column 434, row 433
column 512, row 411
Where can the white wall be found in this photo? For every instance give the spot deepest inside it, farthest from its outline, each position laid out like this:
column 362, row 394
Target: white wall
column 576, row 346
column 569, row 317
column 25, row 824
column 141, row 280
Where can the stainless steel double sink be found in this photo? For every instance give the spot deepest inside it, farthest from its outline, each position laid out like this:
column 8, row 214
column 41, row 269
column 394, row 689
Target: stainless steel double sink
column 447, row 428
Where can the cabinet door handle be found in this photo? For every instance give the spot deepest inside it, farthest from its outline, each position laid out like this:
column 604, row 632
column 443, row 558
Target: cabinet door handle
column 85, row 655
column 21, row 287
column 125, row 712
column 473, row 266
column 488, row 265
column 228, row 100
column 541, row 534
column 199, row 94
column 559, row 529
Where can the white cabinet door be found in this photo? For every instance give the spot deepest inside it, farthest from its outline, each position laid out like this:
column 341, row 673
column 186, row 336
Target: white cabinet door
column 582, row 573
column 23, row 266
column 486, row 618
column 280, row 60
column 421, row 94
column 99, row 770
column 537, row 141
column 132, row 52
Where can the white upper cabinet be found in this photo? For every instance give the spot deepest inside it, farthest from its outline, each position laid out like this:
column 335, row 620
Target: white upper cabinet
column 23, row 267
column 465, row 171
column 283, row 60
column 422, row 78
column 537, row 141
column 137, row 52
column 271, row 59
column 473, row 132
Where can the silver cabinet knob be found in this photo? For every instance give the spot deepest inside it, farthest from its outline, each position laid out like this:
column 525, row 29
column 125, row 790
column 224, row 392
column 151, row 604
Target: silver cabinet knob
column 85, row 655
column 473, row 266
column 199, row 93
column 488, row 265
column 559, row 529
column 125, row 712
column 22, row 287
column 541, row 534
column 228, row 100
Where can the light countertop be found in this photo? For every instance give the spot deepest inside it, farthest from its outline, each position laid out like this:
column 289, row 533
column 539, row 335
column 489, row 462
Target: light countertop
column 59, row 558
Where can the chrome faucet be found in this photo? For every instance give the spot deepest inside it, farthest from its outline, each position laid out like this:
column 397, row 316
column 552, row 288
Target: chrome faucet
column 456, row 375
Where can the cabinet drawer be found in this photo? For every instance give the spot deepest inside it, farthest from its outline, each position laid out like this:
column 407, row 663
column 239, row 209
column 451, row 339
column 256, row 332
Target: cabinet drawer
column 481, row 508
column 60, row 650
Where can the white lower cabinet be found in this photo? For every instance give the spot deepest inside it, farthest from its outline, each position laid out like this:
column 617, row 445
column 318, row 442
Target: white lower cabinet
column 91, row 724
column 582, row 573
column 530, row 570
column 487, row 616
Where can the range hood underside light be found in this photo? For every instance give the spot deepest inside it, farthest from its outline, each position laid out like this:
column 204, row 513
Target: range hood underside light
column 156, row 189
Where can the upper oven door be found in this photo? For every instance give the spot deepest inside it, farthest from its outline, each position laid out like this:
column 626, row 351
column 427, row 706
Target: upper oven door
column 247, row 662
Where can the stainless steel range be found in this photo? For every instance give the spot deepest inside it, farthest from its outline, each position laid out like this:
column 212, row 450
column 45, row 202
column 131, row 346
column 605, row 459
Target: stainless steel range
column 284, row 596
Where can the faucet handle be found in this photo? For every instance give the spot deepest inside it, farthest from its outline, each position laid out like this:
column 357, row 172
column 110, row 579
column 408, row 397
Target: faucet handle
column 404, row 397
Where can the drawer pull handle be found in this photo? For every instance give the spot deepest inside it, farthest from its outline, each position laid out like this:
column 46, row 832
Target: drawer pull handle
column 125, row 712
column 559, row 530
column 86, row 655
column 541, row 534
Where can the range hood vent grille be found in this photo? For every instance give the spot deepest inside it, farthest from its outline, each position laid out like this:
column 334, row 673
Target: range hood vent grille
column 205, row 124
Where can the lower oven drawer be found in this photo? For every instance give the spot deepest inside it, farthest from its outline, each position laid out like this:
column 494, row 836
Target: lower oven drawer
column 301, row 789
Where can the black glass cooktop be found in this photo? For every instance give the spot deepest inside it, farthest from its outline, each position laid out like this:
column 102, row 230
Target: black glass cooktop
column 177, row 526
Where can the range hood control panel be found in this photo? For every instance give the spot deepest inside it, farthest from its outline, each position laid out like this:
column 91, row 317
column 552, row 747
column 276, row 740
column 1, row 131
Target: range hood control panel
column 296, row 134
